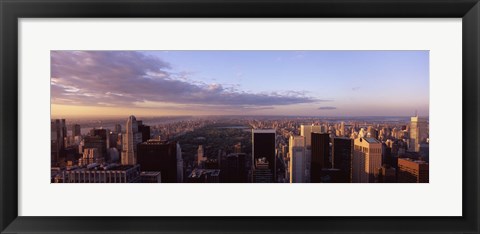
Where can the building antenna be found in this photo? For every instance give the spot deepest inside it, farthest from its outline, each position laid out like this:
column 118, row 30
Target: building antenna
column 416, row 113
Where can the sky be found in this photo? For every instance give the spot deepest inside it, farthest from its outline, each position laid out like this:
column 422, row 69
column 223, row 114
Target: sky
column 303, row 83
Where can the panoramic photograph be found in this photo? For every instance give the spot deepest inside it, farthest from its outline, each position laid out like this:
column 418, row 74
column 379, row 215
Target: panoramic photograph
column 239, row 116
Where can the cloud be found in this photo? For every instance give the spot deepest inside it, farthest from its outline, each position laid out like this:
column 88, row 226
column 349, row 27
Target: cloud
column 356, row 88
column 327, row 108
column 124, row 78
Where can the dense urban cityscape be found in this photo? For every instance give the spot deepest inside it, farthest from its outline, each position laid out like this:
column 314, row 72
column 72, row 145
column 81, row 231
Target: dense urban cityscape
column 239, row 116
column 242, row 149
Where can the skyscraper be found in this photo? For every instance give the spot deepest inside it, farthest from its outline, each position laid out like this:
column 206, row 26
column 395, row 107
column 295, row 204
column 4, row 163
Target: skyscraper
column 233, row 170
column 297, row 156
column 144, row 130
column 418, row 132
column 367, row 160
column 262, row 172
column 342, row 149
column 200, row 156
column 263, row 146
column 58, row 131
column 155, row 155
column 320, row 155
column 104, row 135
column 306, row 131
column 130, row 140
column 96, row 142
column 76, row 131
column 342, row 129
column 118, row 128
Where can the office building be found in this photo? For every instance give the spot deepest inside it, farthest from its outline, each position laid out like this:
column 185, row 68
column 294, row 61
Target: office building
column 90, row 155
column 150, row 177
column 387, row 174
column 144, row 130
column 130, row 140
column 320, row 155
column 262, row 172
column 58, row 134
column 107, row 174
column 412, row 171
column 118, row 128
column 297, row 155
column 306, row 131
column 76, row 130
column 418, row 132
column 332, row 175
column 263, row 146
column 98, row 142
column 342, row 150
column 234, row 169
column 367, row 160
column 155, row 155
column 105, row 138
column 200, row 156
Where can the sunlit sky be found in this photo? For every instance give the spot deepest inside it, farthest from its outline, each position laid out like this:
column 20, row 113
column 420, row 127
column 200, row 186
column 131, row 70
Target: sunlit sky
column 304, row 83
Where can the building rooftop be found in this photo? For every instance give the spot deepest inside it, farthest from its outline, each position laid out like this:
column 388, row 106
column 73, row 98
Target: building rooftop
column 343, row 138
column 110, row 167
column 156, row 142
column 371, row 140
column 150, row 173
column 263, row 131
column 413, row 160
column 197, row 172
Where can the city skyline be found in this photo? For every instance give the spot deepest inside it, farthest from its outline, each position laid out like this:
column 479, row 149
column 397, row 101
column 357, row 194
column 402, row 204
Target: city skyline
column 241, row 150
column 289, row 83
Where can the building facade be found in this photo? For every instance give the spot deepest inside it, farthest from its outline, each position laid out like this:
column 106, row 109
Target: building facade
column 412, row 171
column 297, row 156
column 130, row 140
column 367, row 160
column 342, row 150
column 263, row 146
column 418, row 132
column 156, row 155
column 109, row 174
column 320, row 155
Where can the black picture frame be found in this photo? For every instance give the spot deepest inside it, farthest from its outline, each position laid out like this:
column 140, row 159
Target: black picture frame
column 12, row 10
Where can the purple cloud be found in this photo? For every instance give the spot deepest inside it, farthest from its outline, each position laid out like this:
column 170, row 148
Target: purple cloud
column 123, row 78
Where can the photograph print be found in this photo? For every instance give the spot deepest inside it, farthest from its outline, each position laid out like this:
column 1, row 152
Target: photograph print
column 239, row 116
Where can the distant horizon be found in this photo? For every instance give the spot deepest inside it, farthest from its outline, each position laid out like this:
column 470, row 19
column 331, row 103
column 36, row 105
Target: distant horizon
column 251, row 83
column 167, row 116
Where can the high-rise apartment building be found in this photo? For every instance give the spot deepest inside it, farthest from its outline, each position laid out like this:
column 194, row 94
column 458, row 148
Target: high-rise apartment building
column 367, row 160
